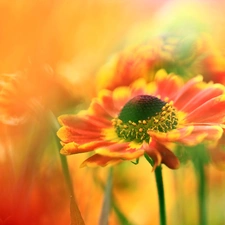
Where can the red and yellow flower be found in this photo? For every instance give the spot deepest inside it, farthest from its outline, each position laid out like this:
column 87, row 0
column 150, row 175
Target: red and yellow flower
column 177, row 53
column 145, row 118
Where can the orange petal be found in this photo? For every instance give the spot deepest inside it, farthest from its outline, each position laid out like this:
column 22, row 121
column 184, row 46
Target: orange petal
column 154, row 155
column 99, row 160
column 188, row 91
column 106, row 98
column 67, row 134
column 173, row 135
column 121, row 150
column 138, row 87
column 69, row 148
column 213, row 111
column 165, row 83
column 218, row 157
column 103, row 106
column 74, row 148
column 160, row 154
column 201, row 133
column 203, row 96
column 85, row 121
column 97, row 109
column 121, row 96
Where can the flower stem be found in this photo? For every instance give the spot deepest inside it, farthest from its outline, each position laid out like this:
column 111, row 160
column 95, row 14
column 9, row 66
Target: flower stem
column 200, row 158
column 122, row 219
column 201, row 192
column 107, row 202
column 160, row 189
column 76, row 218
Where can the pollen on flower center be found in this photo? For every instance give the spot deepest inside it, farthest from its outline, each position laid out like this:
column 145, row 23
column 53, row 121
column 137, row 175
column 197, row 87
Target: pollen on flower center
column 143, row 113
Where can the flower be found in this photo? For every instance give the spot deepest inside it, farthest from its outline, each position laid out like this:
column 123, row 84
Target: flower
column 145, row 118
column 23, row 95
column 217, row 153
column 175, row 52
column 213, row 65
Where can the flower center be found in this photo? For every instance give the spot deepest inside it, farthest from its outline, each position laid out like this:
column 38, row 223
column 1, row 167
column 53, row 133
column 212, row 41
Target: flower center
column 142, row 114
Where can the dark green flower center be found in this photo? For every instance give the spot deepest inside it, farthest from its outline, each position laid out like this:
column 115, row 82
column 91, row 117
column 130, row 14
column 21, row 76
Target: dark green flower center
column 143, row 113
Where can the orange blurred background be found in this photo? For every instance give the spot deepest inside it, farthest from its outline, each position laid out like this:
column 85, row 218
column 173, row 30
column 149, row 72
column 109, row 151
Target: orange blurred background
column 51, row 53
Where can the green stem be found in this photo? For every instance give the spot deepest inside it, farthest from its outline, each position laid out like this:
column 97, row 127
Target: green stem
column 161, row 198
column 201, row 191
column 66, row 173
column 160, row 189
column 106, row 206
column 76, row 218
column 120, row 215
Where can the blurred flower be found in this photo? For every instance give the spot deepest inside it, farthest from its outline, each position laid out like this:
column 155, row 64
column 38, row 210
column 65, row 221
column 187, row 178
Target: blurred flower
column 144, row 118
column 217, row 153
column 13, row 101
column 184, row 43
column 20, row 96
column 213, row 64
column 173, row 51
column 24, row 94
